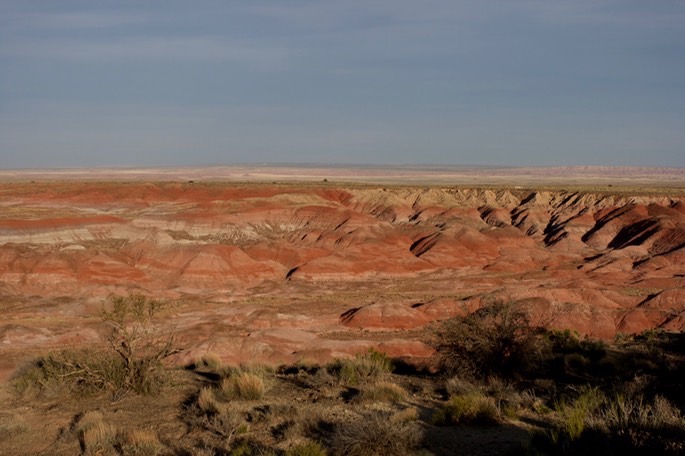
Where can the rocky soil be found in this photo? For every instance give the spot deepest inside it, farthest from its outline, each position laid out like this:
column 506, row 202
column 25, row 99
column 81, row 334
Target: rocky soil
column 280, row 273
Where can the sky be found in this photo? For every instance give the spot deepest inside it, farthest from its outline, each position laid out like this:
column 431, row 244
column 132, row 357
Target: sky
column 100, row 83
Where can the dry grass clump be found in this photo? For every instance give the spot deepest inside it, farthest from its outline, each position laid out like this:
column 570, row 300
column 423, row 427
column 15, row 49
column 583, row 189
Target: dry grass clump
column 376, row 435
column 207, row 402
column 222, row 422
column 382, row 391
column 405, row 415
column 624, row 412
column 457, row 385
column 206, row 413
column 94, row 434
column 244, row 386
column 507, row 399
column 614, row 425
column 12, row 425
column 227, row 424
column 210, row 361
column 140, row 442
column 469, row 408
column 306, row 449
column 363, row 368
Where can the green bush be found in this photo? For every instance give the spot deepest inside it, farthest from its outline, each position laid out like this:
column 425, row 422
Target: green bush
column 577, row 414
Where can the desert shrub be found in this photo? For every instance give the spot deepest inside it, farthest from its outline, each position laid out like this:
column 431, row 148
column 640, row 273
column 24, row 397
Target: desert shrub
column 363, row 368
column 382, row 392
column 244, row 386
column 80, row 372
column 133, row 362
column 228, row 424
column 306, row 449
column 139, row 442
column 139, row 344
column 567, row 357
column 470, row 408
column 563, row 341
column 376, row 435
column 203, row 411
column 495, row 340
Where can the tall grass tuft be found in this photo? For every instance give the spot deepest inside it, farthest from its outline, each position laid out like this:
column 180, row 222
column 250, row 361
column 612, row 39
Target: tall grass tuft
column 382, row 391
column 363, row 368
column 245, row 386
column 470, row 408
column 95, row 436
column 140, row 442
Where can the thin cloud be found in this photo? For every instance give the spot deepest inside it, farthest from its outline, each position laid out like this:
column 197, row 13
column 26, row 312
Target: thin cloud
column 613, row 13
column 369, row 14
column 165, row 48
column 73, row 20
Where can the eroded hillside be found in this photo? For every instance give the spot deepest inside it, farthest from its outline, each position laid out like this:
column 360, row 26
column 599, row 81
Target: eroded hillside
column 281, row 273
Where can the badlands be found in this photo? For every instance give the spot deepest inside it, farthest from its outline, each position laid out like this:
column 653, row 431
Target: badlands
column 279, row 271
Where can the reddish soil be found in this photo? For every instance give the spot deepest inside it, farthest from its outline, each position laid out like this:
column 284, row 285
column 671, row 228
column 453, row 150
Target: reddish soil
column 278, row 273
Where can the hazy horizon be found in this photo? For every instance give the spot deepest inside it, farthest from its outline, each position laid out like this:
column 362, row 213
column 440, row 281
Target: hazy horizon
column 459, row 83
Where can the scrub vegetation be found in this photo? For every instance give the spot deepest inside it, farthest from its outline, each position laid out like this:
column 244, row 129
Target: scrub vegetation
column 497, row 386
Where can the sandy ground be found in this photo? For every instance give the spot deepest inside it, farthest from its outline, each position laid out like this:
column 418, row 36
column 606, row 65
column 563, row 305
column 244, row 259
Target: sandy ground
column 407, row 175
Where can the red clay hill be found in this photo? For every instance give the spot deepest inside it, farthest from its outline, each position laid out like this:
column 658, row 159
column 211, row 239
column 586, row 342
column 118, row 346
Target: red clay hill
column 304, row 271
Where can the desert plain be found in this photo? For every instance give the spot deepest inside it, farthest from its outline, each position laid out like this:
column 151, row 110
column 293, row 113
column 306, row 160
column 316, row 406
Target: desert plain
column 277, row 266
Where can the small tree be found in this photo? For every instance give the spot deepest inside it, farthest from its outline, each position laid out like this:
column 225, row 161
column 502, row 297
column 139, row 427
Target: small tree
column 141, row 346
column 133, row 362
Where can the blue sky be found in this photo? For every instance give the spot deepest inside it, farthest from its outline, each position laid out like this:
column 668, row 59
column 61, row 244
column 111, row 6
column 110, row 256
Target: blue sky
column 496, row 82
